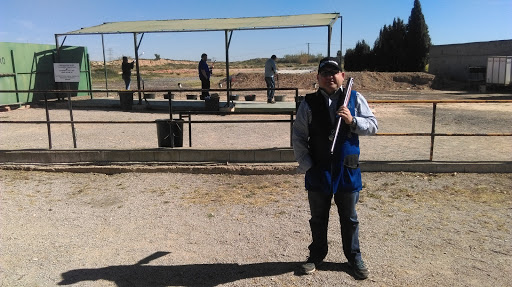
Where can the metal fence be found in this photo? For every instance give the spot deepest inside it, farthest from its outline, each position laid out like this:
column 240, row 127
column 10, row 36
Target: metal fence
column 187, row 114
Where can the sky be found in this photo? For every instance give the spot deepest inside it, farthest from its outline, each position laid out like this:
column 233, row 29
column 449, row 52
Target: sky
column 449, row 22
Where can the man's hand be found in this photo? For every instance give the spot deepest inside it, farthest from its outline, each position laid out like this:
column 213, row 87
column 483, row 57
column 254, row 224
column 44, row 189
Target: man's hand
column 345, row 114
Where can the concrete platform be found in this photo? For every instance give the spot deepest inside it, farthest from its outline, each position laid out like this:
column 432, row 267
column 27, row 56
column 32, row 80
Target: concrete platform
column 242, row 161
column 183, row 105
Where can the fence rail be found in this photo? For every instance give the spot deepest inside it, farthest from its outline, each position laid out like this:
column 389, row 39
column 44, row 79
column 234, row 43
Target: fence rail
column 433, row 134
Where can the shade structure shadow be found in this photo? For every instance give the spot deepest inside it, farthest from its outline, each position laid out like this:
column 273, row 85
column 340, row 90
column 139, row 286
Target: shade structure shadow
column 140, row 274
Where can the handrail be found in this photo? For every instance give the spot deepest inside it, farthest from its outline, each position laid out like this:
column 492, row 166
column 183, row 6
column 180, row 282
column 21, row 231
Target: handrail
column 142, row 91
column 432, row 134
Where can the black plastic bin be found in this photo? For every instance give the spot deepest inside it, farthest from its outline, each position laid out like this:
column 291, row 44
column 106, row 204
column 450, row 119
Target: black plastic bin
column 126, row 100
column 211, row 104
column 170, row 132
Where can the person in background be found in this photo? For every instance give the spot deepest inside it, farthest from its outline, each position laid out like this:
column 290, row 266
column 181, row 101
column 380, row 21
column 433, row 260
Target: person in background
column 335, row 174
column 127, row 67
column 270, row 73
column 204, row 75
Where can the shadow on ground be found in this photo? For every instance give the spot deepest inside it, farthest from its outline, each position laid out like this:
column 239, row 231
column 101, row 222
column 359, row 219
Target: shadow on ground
column 493, row 98
column 140, row 274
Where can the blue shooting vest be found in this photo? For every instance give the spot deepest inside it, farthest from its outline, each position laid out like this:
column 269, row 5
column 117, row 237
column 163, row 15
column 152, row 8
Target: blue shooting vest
column 338, row 171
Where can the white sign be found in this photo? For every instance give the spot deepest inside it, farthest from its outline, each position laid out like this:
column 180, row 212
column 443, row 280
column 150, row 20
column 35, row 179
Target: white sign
column 66, row 72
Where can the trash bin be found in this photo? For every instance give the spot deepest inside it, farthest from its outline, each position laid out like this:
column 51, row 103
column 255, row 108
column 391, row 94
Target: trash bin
column 169, row 132
column 126, row 100
column 212, row 104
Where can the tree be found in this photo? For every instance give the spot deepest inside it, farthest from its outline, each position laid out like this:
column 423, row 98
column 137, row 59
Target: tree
column 389, row 49
column 157, row 57
column 418, row 40
column 303, row 58
column 349, row 61
column 398, row 48
column 358, row 59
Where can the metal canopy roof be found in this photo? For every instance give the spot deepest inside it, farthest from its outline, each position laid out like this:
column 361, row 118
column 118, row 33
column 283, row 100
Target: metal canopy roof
column 215, row 24
column 228, row 25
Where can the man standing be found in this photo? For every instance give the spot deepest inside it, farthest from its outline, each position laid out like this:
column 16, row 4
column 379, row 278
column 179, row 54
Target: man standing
column 270, row 72
column 127, row 71
column 335, row 174
column 204, row 76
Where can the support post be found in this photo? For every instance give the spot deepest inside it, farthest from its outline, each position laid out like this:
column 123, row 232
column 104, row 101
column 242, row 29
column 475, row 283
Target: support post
column 15, row 78
column 104, row 63
column 329, row 34
column 137, row 65
column 228, row 78
column 190, row 130
column 70, row 107
column 48, row 121
column 432, row 133
column 341, row 42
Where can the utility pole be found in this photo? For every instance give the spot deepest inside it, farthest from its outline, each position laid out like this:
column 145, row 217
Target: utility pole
column 308, row 47
column 110, row 52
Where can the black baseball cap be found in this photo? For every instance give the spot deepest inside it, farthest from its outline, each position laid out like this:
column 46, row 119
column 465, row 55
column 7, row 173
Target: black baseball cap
column 329, row 63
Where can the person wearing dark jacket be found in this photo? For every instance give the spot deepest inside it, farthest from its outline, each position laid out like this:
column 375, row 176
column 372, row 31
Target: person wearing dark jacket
column 270, row 77
column 204, row 75
column 333, row 174
column 127, row 71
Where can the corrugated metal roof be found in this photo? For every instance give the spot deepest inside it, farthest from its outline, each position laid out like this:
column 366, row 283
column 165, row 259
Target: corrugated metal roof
column 215, row 24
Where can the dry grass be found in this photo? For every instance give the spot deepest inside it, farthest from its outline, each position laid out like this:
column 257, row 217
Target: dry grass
column 242, row 191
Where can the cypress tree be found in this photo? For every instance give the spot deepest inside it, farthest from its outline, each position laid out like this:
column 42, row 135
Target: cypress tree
column 418, row 40
column 389, row 48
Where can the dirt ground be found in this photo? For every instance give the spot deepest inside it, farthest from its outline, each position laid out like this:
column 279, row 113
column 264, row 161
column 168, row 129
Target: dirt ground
column 303, row 78
column 363, row 81
column 171, row 229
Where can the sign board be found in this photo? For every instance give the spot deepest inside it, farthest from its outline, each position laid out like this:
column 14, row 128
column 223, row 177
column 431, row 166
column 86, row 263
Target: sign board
column 66, row 72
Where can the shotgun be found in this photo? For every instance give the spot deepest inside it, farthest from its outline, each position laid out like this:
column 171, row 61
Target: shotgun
column 347, row 91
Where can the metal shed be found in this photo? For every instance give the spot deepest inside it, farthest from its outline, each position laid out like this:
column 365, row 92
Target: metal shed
column 228, row 25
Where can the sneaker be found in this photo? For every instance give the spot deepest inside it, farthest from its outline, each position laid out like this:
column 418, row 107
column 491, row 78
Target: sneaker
column 271, row 101
column 309, row 267
column 360, row 270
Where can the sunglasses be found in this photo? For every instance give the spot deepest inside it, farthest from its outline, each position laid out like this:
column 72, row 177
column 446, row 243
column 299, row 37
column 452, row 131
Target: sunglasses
column 328, row 73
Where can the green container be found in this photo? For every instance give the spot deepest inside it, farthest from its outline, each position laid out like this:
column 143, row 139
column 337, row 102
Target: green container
column 30, row 67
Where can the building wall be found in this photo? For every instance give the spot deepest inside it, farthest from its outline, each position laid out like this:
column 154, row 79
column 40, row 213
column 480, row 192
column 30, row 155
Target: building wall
column 453, row 61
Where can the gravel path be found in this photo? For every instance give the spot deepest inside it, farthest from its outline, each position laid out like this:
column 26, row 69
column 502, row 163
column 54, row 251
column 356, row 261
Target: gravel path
column 166, row 229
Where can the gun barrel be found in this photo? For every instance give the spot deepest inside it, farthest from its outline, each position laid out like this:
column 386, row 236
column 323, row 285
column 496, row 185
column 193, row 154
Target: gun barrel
column 347, row 92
